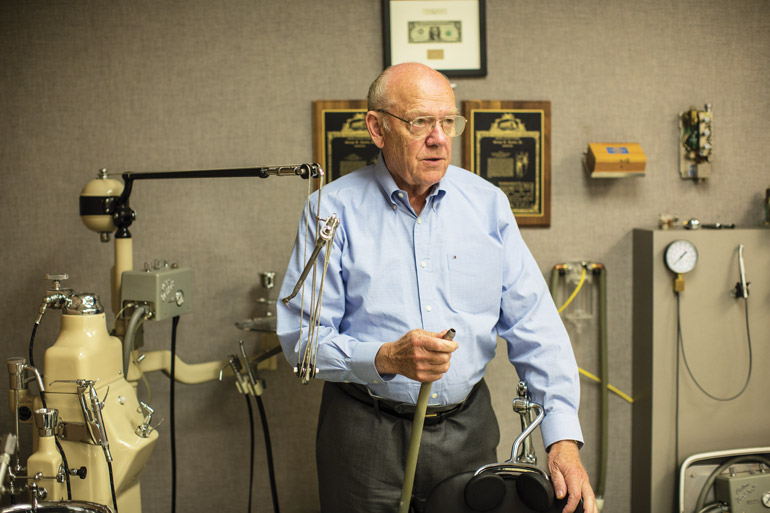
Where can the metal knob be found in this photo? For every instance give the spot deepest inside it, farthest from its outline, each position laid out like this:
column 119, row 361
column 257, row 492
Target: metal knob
column 56, row 279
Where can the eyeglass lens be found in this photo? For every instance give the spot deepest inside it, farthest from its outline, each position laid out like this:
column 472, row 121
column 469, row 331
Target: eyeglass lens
column 453, row 126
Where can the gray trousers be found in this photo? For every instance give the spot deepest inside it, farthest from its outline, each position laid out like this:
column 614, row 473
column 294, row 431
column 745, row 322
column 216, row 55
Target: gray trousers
column 361, row 451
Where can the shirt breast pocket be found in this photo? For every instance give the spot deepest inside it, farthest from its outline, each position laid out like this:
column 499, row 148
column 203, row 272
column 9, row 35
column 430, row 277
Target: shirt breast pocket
column 475, row 282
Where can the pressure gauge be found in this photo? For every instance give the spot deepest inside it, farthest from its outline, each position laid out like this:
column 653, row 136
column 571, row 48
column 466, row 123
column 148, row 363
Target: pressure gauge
column 681, row 256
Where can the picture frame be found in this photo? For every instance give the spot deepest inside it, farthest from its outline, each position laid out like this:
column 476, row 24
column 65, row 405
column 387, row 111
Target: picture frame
column 341, row 142
column 509, row 144
column 447, row 35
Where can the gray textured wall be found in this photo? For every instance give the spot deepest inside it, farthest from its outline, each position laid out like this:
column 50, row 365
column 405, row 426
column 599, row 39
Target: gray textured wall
column 148, row 85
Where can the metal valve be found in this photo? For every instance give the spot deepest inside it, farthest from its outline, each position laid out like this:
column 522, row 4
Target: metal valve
column 55, row 297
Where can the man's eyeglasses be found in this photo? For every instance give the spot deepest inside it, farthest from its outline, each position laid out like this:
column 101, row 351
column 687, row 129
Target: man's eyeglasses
column 452, row 126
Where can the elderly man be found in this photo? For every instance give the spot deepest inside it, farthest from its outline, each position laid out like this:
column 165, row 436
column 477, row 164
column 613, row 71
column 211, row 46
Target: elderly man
column 423, row 247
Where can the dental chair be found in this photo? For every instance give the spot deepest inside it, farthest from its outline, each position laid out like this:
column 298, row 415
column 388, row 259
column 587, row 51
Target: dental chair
column 517, row 485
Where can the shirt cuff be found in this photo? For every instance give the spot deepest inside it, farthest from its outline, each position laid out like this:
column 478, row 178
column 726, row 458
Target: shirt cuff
column 561, row 426
column 362, row 363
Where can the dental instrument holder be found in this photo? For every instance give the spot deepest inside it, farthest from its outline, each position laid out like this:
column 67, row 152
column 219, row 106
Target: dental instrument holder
column 414, row 441
column 249, row 383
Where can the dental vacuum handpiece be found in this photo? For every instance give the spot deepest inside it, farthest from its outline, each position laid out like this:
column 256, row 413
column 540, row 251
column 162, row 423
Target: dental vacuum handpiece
column 744, row 292
column 94, row 414
column 96, row 406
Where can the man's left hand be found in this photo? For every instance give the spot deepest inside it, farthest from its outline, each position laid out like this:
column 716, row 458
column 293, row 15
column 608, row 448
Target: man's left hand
column 569, row 477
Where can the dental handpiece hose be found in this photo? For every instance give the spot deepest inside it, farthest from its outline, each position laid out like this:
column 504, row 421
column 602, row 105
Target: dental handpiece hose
column 414, row 441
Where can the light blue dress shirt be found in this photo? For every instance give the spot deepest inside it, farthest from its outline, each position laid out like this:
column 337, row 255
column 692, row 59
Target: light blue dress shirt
column 460, row 264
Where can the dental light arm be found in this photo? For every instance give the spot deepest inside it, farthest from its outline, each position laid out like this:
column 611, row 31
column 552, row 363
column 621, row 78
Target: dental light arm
column 104, row 205
column 123, row 216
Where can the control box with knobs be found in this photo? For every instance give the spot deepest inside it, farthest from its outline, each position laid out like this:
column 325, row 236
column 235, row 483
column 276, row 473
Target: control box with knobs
column 166, row 289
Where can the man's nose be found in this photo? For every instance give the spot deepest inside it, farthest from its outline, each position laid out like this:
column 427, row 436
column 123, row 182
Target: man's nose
column 437, row 136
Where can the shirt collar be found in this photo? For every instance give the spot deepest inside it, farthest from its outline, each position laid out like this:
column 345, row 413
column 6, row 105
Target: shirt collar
column 390, row 189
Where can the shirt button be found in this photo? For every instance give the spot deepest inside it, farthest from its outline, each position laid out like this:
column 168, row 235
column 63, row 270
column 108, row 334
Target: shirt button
column 400, row 194
column 419, row 220
column 428, row 308
column 434, row 395
column 423, row 264
column 394, row 207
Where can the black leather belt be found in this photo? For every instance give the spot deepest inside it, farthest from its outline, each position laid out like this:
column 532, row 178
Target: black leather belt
column 434, row 415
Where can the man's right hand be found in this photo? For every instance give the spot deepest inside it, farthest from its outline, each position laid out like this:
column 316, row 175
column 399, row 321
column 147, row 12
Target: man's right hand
column 420, row 355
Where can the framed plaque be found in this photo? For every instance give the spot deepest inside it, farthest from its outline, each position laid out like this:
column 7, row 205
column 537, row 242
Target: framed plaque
column 341, row 142
column 447, row 35
column 509, row 144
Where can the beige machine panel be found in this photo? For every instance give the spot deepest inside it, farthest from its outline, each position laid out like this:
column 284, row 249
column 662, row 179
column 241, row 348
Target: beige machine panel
column 713, row 325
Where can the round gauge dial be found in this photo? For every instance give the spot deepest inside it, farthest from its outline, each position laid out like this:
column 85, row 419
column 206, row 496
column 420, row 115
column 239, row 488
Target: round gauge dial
column 681, row 256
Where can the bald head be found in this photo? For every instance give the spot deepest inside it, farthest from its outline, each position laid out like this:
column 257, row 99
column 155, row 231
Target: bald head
column 395, row 81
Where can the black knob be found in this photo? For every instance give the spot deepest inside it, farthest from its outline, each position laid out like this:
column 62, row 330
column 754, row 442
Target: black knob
column 80, row 472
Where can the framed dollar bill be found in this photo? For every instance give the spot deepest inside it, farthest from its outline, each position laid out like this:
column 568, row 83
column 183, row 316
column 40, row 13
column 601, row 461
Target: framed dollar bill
column 447, row 35
column 341, row 143
column 509, row 144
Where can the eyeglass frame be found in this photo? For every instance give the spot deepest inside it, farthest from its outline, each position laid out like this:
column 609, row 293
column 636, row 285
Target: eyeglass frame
column 436, row 120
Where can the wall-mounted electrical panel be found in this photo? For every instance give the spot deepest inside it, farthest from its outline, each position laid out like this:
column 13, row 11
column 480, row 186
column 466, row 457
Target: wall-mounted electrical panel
column 695, row 145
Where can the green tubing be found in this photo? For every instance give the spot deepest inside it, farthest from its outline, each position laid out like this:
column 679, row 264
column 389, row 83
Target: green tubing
column 414, row 447
column 604, row 374
column 554, row 283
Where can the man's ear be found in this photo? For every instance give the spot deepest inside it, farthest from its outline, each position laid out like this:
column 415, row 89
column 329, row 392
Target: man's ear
column 376, row 130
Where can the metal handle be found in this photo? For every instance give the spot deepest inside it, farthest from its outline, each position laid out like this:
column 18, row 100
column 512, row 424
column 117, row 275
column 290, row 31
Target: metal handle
column 414, row 440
